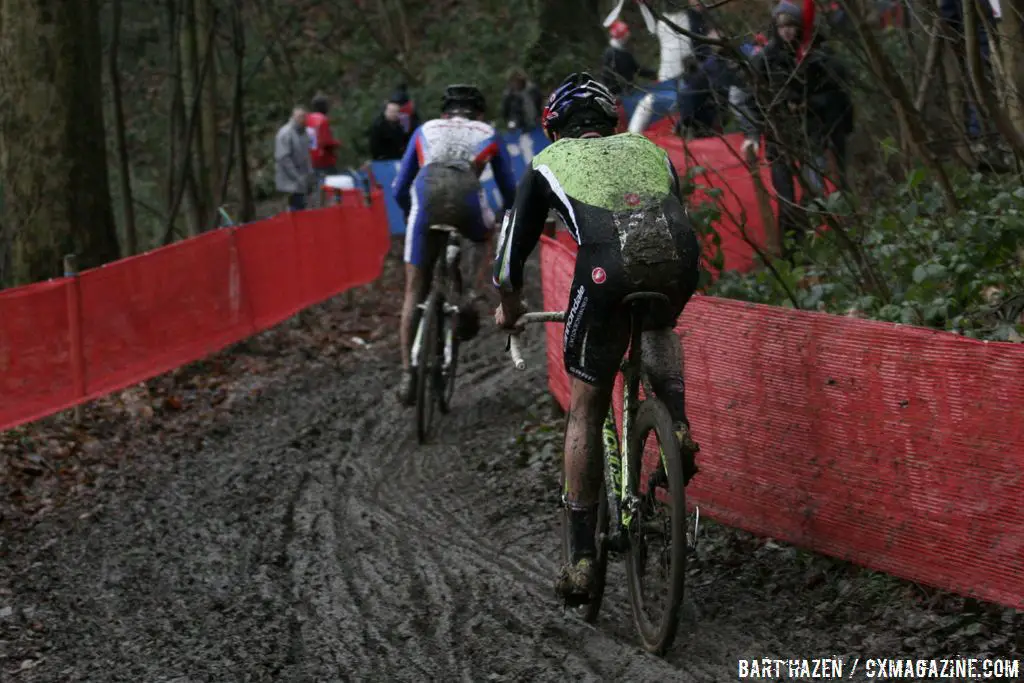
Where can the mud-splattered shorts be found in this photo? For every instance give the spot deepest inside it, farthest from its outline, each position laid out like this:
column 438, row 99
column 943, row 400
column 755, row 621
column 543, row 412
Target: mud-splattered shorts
column 652, row 248
column 450, row 195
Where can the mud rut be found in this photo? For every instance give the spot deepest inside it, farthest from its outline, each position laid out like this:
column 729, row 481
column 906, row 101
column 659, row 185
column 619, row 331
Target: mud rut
column 313, row 540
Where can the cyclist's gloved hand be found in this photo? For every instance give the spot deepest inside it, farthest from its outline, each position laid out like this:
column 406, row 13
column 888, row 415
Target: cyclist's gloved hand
column 507, row 314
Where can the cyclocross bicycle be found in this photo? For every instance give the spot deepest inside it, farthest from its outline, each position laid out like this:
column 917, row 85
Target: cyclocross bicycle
column 625, row 523
column 435, row 349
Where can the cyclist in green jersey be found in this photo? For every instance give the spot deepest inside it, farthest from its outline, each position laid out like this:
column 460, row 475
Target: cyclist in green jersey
column 619, row 197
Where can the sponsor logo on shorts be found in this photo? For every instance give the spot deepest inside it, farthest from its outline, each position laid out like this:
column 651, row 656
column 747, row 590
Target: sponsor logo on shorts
column 572, row 320
column 598, row 275
column 585, row 376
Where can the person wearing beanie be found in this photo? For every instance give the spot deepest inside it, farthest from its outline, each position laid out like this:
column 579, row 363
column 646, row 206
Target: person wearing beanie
column 407, row 114
column 799, row 102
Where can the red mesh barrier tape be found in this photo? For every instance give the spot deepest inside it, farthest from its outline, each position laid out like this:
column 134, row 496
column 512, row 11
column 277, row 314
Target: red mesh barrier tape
column 894, row 447
column 145, row 315
column 142, row 316
column 35, row 352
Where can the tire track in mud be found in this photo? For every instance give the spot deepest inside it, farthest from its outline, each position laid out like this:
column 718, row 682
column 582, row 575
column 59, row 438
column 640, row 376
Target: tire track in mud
column 460, row 585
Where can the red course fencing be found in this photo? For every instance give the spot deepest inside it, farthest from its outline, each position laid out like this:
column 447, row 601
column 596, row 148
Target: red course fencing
column 73, row 339
column 900, row 449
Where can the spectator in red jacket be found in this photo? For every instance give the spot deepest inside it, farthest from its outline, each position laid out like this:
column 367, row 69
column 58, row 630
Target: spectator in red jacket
column 323, row 147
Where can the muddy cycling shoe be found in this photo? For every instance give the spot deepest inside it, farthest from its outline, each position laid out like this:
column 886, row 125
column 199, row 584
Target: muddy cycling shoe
column 688, row 448
column 577, row 578
column 407, row 388
column 576, row 582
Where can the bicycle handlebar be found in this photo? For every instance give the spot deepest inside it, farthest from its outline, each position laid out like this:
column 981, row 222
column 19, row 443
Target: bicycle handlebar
column 513, row 337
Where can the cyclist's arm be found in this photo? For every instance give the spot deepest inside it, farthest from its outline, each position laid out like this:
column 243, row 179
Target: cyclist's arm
column 521, row 230
column 407, row 170
column 501, row 166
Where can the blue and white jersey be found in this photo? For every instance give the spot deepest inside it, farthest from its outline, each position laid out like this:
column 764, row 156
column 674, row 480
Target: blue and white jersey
column 450, row 140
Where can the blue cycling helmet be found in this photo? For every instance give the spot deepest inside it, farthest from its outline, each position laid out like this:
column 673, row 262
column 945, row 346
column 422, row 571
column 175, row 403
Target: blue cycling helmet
column 579, row 97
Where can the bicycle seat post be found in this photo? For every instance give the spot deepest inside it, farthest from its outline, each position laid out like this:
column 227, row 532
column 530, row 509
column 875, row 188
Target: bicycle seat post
column 639, row 304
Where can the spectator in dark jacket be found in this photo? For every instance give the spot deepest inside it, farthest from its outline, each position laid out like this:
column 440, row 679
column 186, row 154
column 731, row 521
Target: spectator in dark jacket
column 803, row 109
column 618, row 66
column 521, row 104
column 704, row 96
column 388, row 137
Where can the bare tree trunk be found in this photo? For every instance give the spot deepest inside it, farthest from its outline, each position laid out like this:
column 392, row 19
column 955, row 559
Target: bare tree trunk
column 565, row 26
column 187, row 181
column 193, row 152
column 982, row 86
column 901, row 101
column 248, row 210
column 956, row 95
column 128, row 205
column 1011, row 38
column 205, row 22
column 931, row 62
column 54, row 161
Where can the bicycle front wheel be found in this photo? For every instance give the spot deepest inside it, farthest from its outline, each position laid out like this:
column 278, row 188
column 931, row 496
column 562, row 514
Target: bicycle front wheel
column 426, row 389
column 661, row 491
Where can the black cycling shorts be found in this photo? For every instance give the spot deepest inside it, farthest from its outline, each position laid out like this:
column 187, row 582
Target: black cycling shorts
column 653, row 249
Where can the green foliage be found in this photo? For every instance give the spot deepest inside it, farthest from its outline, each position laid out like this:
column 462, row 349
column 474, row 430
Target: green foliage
column 963, row 273
column 703, row 216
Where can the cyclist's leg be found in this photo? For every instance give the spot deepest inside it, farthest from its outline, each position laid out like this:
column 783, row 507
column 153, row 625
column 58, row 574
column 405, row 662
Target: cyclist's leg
column 596, row 337
column 421, row 250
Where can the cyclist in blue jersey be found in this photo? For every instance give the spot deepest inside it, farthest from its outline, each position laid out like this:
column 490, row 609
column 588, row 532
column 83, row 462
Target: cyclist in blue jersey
column 619, row 197
column 438, row 182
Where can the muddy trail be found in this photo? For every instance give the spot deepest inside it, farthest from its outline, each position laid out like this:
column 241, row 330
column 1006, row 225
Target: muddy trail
column 308, row 537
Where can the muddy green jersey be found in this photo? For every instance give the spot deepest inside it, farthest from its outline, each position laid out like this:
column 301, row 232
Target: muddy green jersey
column 588, row 182
column 608, row 173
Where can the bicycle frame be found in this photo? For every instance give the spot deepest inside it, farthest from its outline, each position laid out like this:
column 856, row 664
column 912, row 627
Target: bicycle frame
column 621, row 503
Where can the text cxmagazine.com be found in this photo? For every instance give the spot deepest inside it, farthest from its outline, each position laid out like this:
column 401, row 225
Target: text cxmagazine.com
column 880, row 668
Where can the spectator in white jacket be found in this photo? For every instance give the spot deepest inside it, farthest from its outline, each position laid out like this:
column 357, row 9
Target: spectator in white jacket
column 293, row 167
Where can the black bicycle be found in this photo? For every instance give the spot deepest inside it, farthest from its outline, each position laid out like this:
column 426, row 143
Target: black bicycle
column 435, row 349
column 626, row 523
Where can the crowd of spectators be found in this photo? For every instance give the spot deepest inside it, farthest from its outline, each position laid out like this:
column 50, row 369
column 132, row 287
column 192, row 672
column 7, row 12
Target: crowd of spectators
column 306, row 151
column 782, row 91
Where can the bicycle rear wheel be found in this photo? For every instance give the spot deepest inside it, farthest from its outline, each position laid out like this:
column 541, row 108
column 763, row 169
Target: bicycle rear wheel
column 592, row 608
column 427, row 393
column 657, row 634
